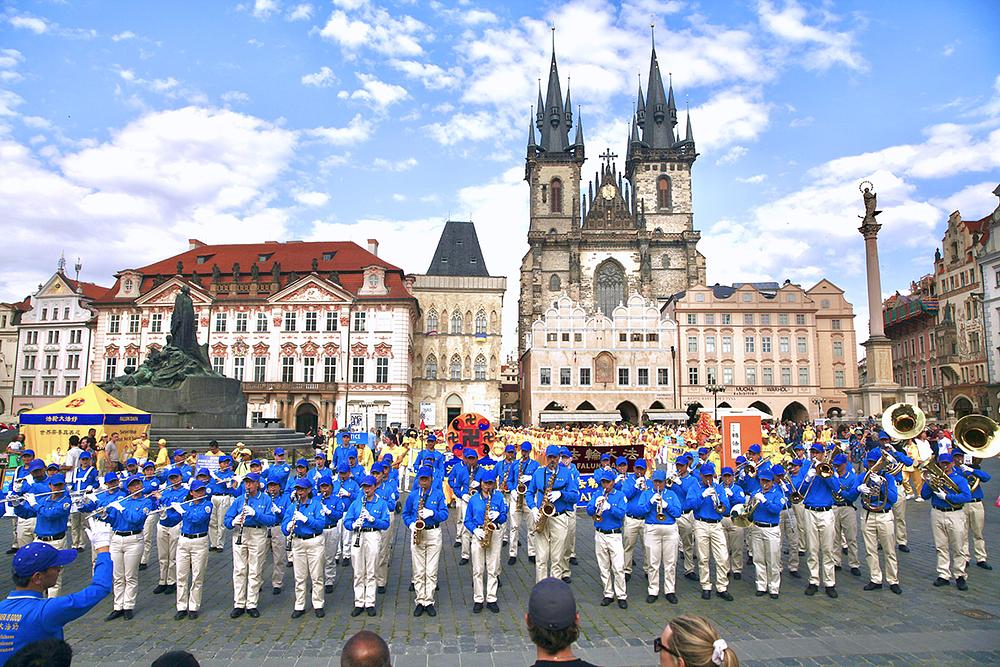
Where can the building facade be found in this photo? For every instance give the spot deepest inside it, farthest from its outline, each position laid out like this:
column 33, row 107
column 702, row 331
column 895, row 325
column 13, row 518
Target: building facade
column 457, row 339
column 319, row 333
column 10, row 318
column 780, row 349
column 988, row 259
column 582, row 367
column 909, row 322
column 630, row 232
column 54, row 342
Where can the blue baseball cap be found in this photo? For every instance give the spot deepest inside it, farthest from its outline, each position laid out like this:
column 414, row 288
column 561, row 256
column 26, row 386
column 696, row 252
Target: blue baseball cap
column 726, row 470
column 226, row 458
column 303, row 483
column 640, row 463
column 133, row 478
column 179, row 452
column 148, row 464
column 279, row 451
column 605, row 456
column 659, row 475
column 776, row 470
column 468, row 451
column 425, row 471
column 53, row 466
column 816, row 447
column 368, row 480
column 352, row 453
column 256, row 462
column 432, row 438
column 525, row 446
column 566, row 451
column 86, row 455
column 302, row 463
column 325, row 478
column 488, row 475
column 797, row 462
column 766, row 474
column 174, row 472
column 873, row 456
column 552, row 450
column 321, row 455
column 109, row 476
column 38, row 557
column 252, row 477
column 58, row 478
column 945, row 457
column 37, row 464
column 621, row 461
column 510, row 448
column 682, row 460
column 344, row 467
column 799, row 445
column 839, row 460
column 131, row 462
column 740, row 460
column 882, row 435
column 199, row 485
column 203, row 471
column 387, row 458
column 754, row 449
column 28, row 452
column 707, row 469
column 702, row 451
column 377, row 467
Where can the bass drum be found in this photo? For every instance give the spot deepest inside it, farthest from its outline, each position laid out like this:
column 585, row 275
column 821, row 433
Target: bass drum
column 470, row 429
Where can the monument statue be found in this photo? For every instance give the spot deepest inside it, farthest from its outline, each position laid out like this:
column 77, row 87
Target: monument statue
column 182, row 322
column 871, row 201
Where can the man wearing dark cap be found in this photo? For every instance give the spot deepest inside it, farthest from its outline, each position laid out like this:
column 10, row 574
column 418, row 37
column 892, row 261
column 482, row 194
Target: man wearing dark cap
column 553, row 624
column 365, row 649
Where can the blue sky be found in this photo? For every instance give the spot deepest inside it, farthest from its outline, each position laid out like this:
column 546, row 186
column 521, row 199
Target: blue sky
column 123, row 133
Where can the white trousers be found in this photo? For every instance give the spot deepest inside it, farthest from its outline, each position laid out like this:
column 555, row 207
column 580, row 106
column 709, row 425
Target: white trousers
column 790, row 531
column 77, row 523
column 330, row 555
column 899, row 517
column 550, row 547
column 570, row 538
column 363, row 560
column 878, row 528
column 216, row 527
column 461, row 534
column 192, row 557
column 632, row 530
column 485, row 562
column 975, row 517
column 951, row 541
column 166, row 552
column 346, row 539
column 611, row 562
column 661, row 542
column 734, row 543
column 425, row 558
column 819, row 529
column 385, row 552
column 25, row 531
column 248, row 562
column 517, row 519
column 711, row 542
column 846, row 525
column 307, row 565
column 800, row 522
column 685, row 529
column 148, row 531
column 126, row 553
column 767, row 557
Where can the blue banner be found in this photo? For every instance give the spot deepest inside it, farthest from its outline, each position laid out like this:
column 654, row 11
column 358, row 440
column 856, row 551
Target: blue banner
column 29, row 419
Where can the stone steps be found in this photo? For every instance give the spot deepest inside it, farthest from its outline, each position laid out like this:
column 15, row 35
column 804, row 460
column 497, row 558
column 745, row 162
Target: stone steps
column 261, row 441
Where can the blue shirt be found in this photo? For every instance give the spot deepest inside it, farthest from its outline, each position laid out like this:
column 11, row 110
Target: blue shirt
column 889, row 491
column 313, row 511
column 520, row 467
column 376, row 507
column 83, row 480
column 289, row 487
column 704, row 508
column 30, row 618
column 475, row 515
column 104, row 498
column 263, row 517
column 133, row 514
column 671, row 505
column 222, row 483
column 196, row 516
column 846, row 486
column 982, row 476
column 820, row 489
column 769, row 511
column 53, row 515
column 279, row 471
column 433, row 500
column 688, row 482
column 563, row 483
column 434, row 459
column 613, row 512
column 332, row 510
column 459, row 479
column 951, row 500
column 350, row 488
column 173, row 495
column 735, row 494
column 388, row 492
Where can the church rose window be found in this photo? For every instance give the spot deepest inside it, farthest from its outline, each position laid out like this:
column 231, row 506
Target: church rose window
column 610, row 286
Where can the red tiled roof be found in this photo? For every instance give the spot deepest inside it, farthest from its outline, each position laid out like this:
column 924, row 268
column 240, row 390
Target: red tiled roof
column 982, row 226
column 89, row 290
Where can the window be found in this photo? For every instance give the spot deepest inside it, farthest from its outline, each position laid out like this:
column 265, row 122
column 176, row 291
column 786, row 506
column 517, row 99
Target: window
column 555, row 196
column 800, row 344
column 693, row 375
column 726, row 318
column 32, row 338
column 692, row 344
column 663, row 192
column 765, row 344
column 800, row 319
column 565, row 377
column 623, row 377
column 332, row 320
column 663, row 376
column 650, row 337
column 330, row 370
column 261, row 322
column 455, row 368
column 551, row 337
column 382, row 370
column 239, row 365
column 749, row 344
column 28, row 386
column 220, row 322
column 72, row 362
column 110, row 369
column 782, row 319
column 259, row 369
column 783, row 345
column 381, row 420
column 218, row 364
column 359, row 321
column 692, row 318
column 835, row 325
column 642, row 377
column 768, row 376
column 710, row 319
column 727, row 375
column 481, row 323
column 554, row 283
column 51, row 362
column 287, row 369
column 432, row 321
column 838, row 347
column 711, row 375
column 710, row 344
column 53, row 338
column 610, row 286
column 309, row 369
column 479, row 368
column 312, row 319
column 665, row 263
column 75, row 336
column 45, row 313
column 751, row 375
column 747, row 317
column 792, row 297
column 545, row 376
column 727, row 344
column 803, row 376
column 241, row 322
column 114, row 323
column 29, row 362
column 584, row 377
column 71, row 386
column 431, row 368
column 358, row 369
column 456, row 322
column 838, row 378
column 765, row 319
column 289, row 320
column 786, row 376
column 747, row 298
column 48, row 387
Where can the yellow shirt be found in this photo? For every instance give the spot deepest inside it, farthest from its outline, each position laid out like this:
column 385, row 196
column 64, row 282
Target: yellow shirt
column 161, row 458
column 142, row 449
column 365, row 457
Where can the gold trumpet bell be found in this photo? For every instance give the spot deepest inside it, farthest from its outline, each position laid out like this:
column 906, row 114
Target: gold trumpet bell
column 978, row 435
column 903, row 421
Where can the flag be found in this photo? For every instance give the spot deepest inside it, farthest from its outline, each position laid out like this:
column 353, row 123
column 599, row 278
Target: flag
column 423, row 426
column 334, row 427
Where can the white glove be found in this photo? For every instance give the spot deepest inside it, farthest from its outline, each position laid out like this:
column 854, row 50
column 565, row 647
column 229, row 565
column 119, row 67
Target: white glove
column 90, row 497
column 299, row 517
column 117, row 505
column 729, row 492
column 940, row 493
column 275, row 509
column 525, row 479
column 535, row 514
column 365, row 516
column 554, row 496
column 215, row 475
column 426, row 513
column 30, row 499
column 877, row 479
column 474, row 484
column 343, row 493
column 493, row 515
column 655, row 498
column 619, row 479
column 466, row 498
column 708, row 493
column 249, row 510
column 19, row 484
column 479, row 533
column 177, row 508
column 811, row 473
column 358, row 523
column 238, row 521
column 759, row 497
column 326, row 511
column 864, row 488
column 600, row 503
column 99, row 533
column 966, row 468
column 737, row 508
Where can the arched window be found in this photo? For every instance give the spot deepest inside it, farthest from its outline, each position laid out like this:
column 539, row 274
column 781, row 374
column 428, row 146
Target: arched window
column 665, row 262
column 456, row 322
column 455, row 368
column 554, row 283
column 479, row 370
column 431, row 371
column 663, row 192
column 481, row 323
column 432, row 321
column 555, row 196
column 610, row 286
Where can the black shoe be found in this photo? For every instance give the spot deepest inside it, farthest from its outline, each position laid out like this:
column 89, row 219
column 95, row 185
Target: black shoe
column 276, row 590
column 905, row 549
column 628, row 577
column 418, row 610
column 464, row 561
column 477, row 608
column 573, row 561
column 567, row 580
column 941, row 582
column 811, row 589
column 856, row 571
column 171, row 588
column 431, row 611
column 12, row 550
column 706, row 595
column 831, row 592
column 843, row 550
column 143, row 566
column 896, row 589
column 192, row 615
column 650, row 599
column 253, row 613
column 691, row 575
column 511, row 560
column 960, row 584
column 749, row 560
column 737, row 576
column 371, row 611
column 623, row 604
column 380, row 590
column 607, row 601
column 237, row 612
column 872, row 586
column 159, row 589
column 838, row 568
column 344, row 562
column 299, row 612
column 328, row 589
column 795, row 574
column 493, row 607
column 725, row 595
column 117, row 613
column 288, row 564
column 671, row 598
column 760, row 594
column 774, row 596
column 319, row 612
column 129, row 614
column 983, row 564
column 531, row 559
column 457, row 544
column 357, row 611
column 412, row 587
column 801, row 553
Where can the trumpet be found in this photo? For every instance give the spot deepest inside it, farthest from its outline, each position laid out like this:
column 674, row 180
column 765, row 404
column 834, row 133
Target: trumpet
column 660, row 515
column 599, row 514
column 744, row 519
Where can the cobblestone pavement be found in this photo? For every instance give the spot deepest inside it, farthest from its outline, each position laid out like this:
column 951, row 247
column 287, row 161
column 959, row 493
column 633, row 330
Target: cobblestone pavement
column 924, row 626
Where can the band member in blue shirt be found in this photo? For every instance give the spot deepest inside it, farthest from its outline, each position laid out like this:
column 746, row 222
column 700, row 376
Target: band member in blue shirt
column 710, row 503
column 192, row 546
column 551, row 490
column 427, row 505
column 367, row 516
column 83, row 479
column 484, row 518
column 607, row 507
column 948, row 523
column 303, row 523
column 127, row 515
column 766, row 534
column 518, row 477
column 661, row 508
column 249, row 517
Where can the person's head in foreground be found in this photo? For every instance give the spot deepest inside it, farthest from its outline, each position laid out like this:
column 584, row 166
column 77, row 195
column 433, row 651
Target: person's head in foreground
column 176, row 659
column 693, row 641
column 44, row 653
column 365, row 649
column 553, row 624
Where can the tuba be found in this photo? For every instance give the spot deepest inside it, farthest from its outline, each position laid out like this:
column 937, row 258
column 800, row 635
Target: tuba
column 874, row 502
column 978, row 435
column 936, row 477
column 903, row 421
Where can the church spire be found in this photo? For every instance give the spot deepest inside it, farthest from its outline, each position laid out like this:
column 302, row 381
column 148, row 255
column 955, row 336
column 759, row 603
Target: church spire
column 540, row 116
column 689, row 135
column 578, row 141
column 671, row 106
column 555, row 116
column 568, row 112
column 640, row 112
column 531, row 133
column 658, row 133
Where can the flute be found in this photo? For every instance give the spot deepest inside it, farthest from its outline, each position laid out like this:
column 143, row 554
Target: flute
column 104, row 510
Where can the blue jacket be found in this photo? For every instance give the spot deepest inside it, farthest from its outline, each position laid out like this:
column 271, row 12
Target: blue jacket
column 563, row 483
column 614, row 510
column 261, row 503
column 222, row 483
column 278, row 472
column 704, row 508
column 769, row 511
column 196, row 516
column 22, row 509
column 28, row 617
column 350, row 485
column 514, row 473
column 475, row 515
column 433, row 459
column 982, row 476
column 890, row 490
column 53, row 515
column 735, row 494
column 388, row 492
column 339, row 455
column 133, row 516
column 671, row 506
column 848, row 486
column 820, row 489
column 376, row 507
column 104, row 498
column 83, row 480
column 168, row 496
column 289, row 486
column 433, row 500
column 332, row 510
column 963, row 496
column 688, row 482
column 313, row 511
column 459, row 481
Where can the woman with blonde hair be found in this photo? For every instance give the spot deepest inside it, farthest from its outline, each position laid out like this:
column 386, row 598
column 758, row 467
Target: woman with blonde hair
column 693, row 641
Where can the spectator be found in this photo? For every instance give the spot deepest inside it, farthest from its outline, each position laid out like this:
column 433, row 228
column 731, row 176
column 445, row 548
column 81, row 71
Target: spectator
column 694, row 642
column 176, row 659
column 112, row 451
column 365, row 649
column 553, row 624
column 44, row 653
column 72, row 455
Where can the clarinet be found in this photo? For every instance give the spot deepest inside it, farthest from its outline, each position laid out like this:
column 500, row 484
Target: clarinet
column 243, row 519
column 291, row 529
column 357, row 536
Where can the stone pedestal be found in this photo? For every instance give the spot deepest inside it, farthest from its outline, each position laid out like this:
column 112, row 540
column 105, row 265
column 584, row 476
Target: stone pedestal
column 199, row 402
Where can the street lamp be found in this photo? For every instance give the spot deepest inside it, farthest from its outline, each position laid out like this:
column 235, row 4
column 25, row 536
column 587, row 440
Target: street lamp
column 715, row 390
column 818, row 402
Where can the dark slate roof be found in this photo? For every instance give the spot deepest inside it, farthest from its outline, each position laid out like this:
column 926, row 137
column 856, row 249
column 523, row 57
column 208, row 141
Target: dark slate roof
column 458, row 252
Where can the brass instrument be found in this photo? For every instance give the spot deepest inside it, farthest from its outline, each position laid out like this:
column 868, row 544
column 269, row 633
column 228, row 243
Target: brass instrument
column 903, row 421
column 720, row 506
column 522, row 489
column 419, row 524
column 874, row 502
column 598, row 515
column 937, row 479
column 749, row 469
column 548, row 508
column 744, row 519
column 488, row 526
column 978, row 435
column 660, row 515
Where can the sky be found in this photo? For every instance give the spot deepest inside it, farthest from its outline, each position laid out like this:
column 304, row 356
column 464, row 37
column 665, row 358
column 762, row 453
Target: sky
column 124, row 133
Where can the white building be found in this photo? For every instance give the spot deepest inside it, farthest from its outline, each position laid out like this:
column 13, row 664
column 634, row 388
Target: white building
column 988, row 257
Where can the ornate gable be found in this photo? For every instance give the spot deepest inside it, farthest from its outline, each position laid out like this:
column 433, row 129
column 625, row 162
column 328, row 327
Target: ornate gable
column 383, row 350
column 260, row 349
column 219, row 349
column 309, row 349
column 240, row 347
column 608, row 208
column 288, row 349
column 111, row 352
column 331, row 349
column 164, row 295
column 312, row 289
column 359, row 350
column 132, row 350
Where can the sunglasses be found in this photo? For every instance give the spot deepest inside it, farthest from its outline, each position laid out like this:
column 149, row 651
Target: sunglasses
column 658, row 646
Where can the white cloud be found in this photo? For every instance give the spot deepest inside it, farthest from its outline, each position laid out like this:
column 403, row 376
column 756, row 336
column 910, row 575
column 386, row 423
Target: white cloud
column 433, row 77
column 312, row 198
column 462, row 127
column 823, row 48
column 123, row 36
column 324, row 78
column 34, row 24
column 801, row 122
column 376, row 29
column 300, row 12
column 9, row 100
column 378, row 94
column 10, row 58
column 478, row 16
column 395, row 165
column 234, row 97
column 398, row 197
column 733, row 155
column 356, row 131
column 263, row 9
column 728, row 117
column 36, row 122
column 756, row 179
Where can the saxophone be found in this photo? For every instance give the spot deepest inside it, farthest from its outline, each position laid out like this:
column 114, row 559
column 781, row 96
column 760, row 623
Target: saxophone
column 548, row 507
column 488, row 526
column 419, row 524
column 522, row 489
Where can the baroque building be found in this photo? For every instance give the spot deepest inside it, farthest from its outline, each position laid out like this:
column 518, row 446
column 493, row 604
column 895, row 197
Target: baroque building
column 457, row 339
column 988, row 258
column 630, row 232
column 909, row 322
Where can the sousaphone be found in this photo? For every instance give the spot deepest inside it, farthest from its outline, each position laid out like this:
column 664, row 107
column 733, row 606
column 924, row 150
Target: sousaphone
column 903, row 421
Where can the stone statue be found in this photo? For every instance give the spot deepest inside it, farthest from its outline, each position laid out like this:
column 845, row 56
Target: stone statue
column 180, row 268
column 315, row 265
column 236, row 272
column 216, row 273
column 275, row 272
column 254, row 272
column 871, row 201
column 183, row 326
